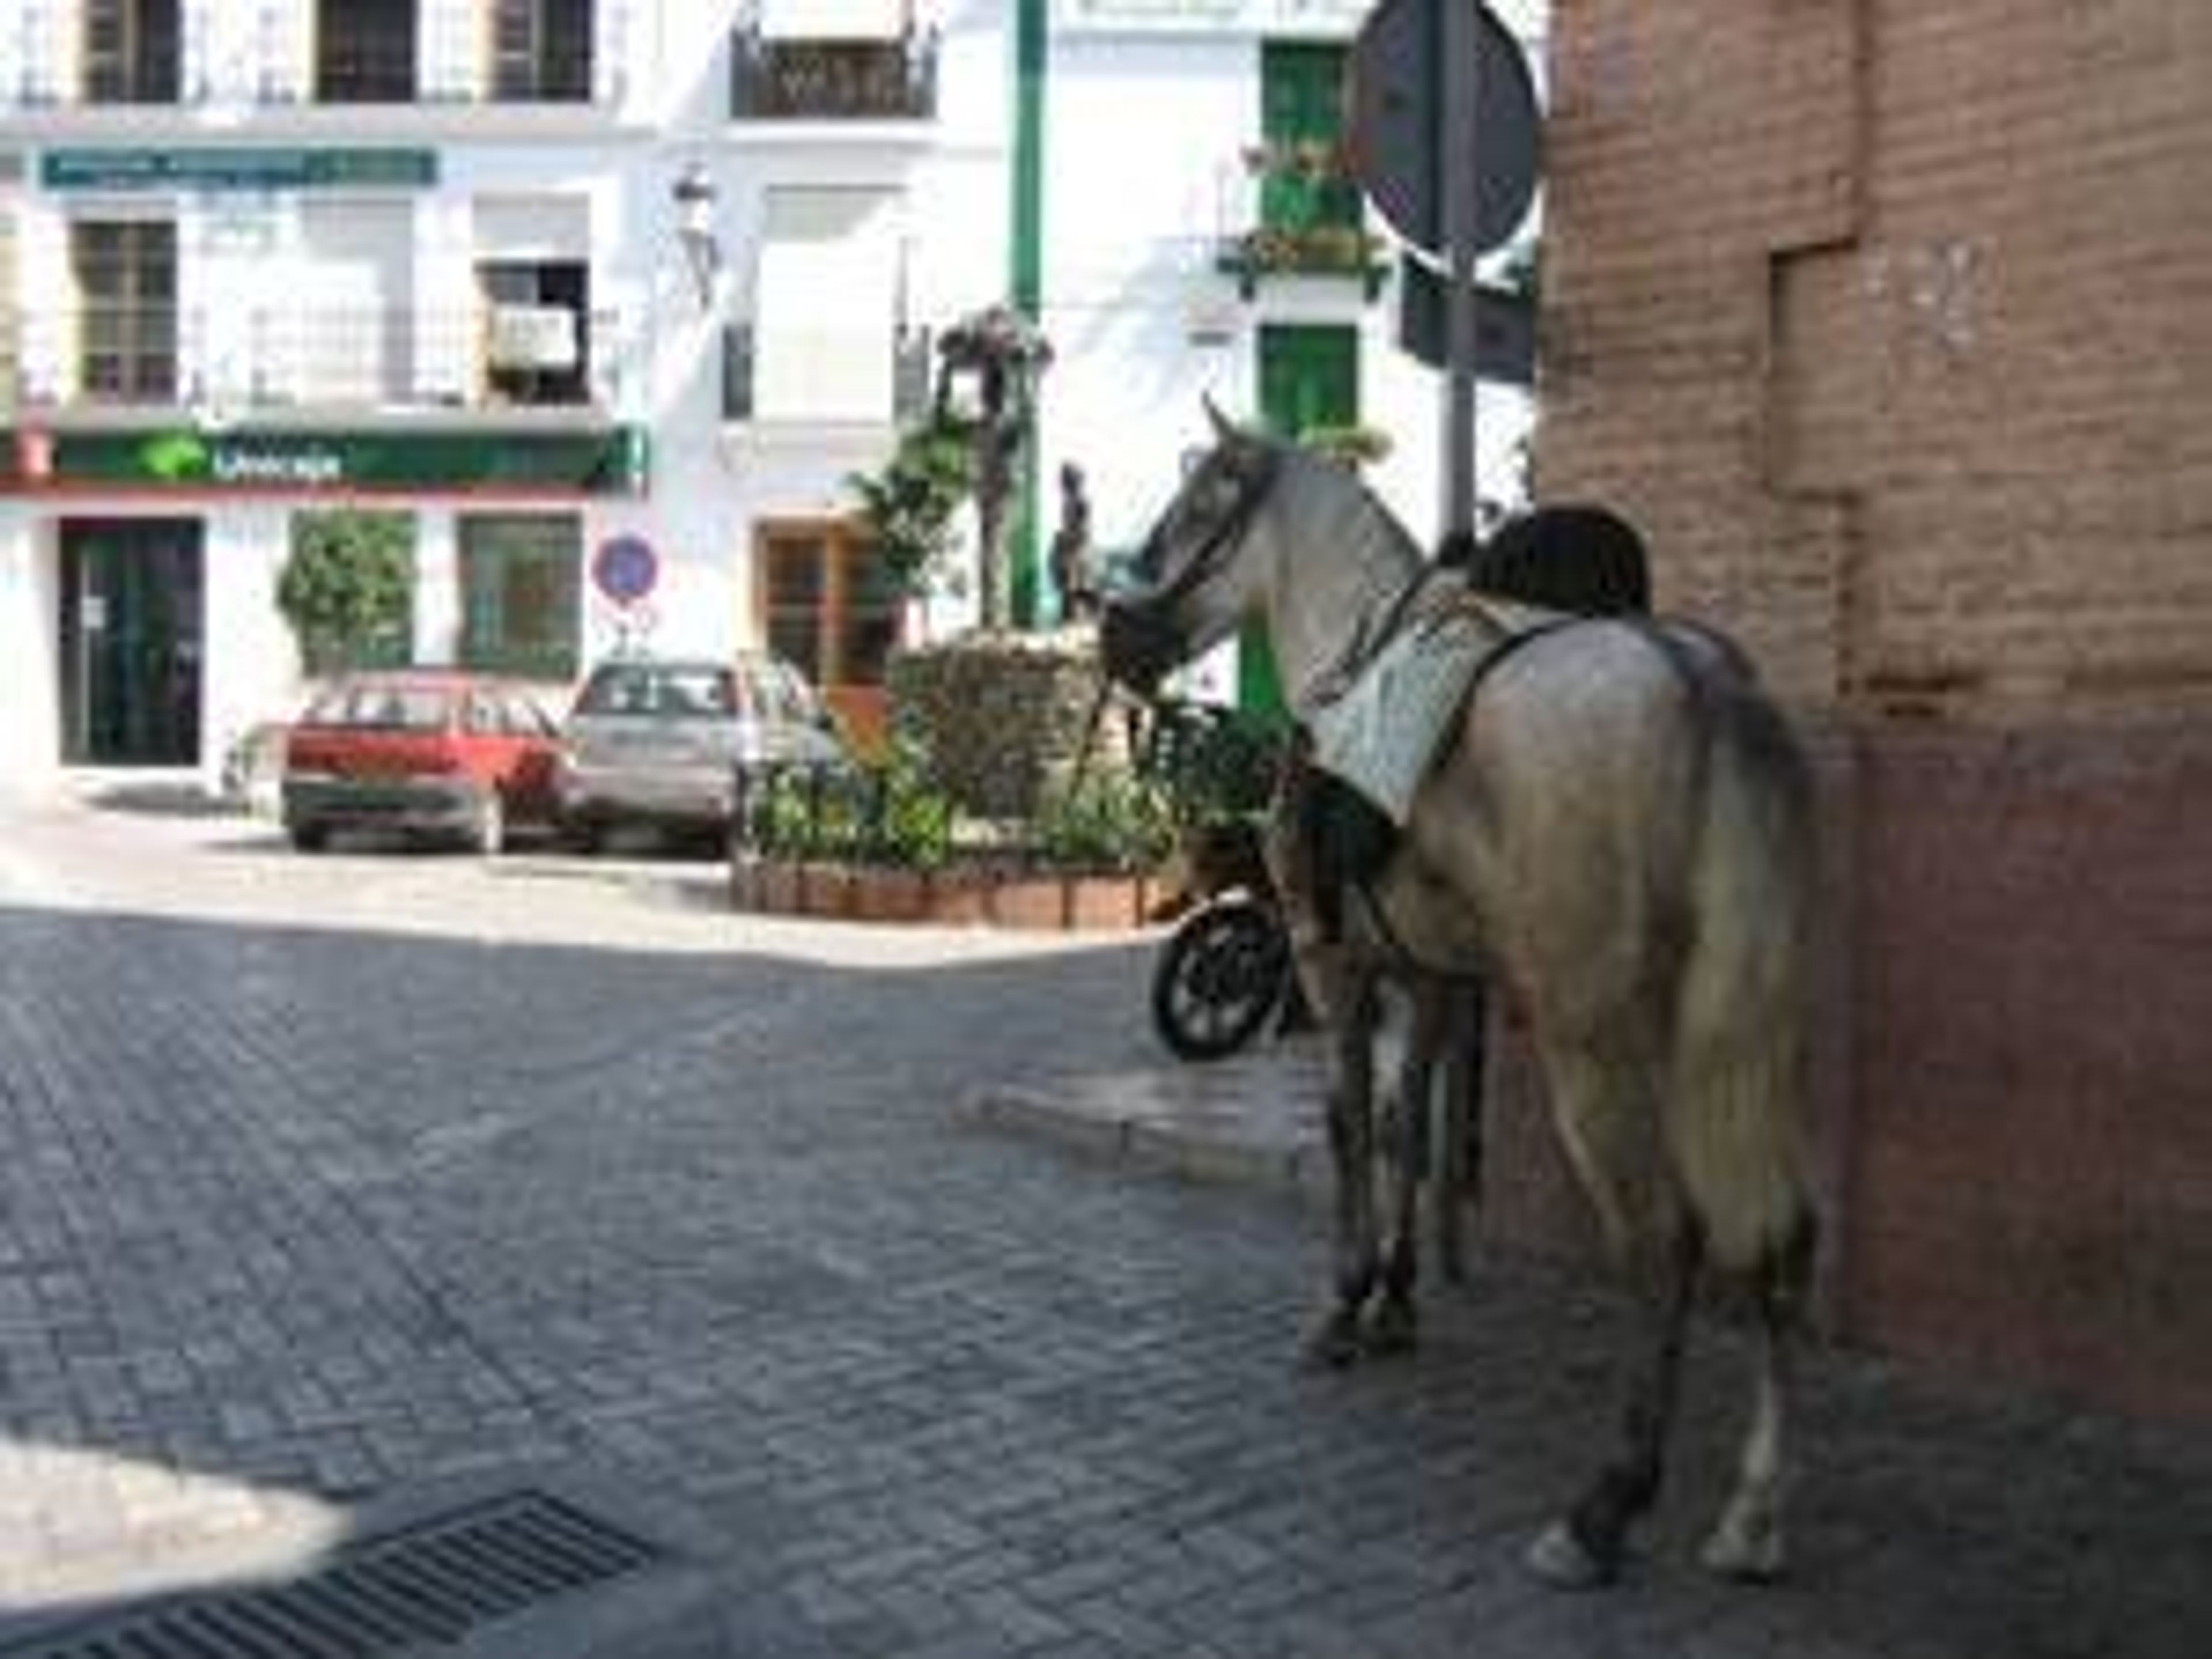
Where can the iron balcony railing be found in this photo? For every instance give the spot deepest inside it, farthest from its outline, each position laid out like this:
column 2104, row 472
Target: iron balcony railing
column 779, row 80
column 241, row 358
column 911, row 358
column 1301, row 217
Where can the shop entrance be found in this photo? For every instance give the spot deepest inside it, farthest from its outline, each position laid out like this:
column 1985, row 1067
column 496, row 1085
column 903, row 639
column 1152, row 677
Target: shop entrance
column 131, row 619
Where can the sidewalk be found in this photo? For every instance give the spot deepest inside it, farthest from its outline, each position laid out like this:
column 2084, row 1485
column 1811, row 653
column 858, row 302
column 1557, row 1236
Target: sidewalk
column 1947, row 1519
column 1254, row 1119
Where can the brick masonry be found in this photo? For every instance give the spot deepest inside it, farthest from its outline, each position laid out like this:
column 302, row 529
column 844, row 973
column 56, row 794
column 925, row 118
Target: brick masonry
column 1892, row 323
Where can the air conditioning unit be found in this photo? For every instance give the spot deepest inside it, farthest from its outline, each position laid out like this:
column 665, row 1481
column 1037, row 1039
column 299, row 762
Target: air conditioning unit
column 534, row 337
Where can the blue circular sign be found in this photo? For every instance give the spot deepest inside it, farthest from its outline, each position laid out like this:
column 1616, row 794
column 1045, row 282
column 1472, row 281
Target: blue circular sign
column 625, row 568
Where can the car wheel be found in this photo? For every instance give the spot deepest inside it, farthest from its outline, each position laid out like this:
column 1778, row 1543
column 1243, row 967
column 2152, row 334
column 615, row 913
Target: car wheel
column 585, row 835
column 309, row 837
column 489, row 833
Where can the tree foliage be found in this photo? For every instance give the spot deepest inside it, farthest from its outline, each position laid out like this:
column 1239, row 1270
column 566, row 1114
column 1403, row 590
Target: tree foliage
column 908, row 506
column 348, row 587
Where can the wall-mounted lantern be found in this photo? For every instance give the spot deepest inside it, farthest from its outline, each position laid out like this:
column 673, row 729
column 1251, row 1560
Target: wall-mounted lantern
column 695, row 196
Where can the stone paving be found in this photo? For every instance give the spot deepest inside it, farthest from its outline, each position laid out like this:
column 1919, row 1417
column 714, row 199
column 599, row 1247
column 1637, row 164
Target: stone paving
column 329, row 1183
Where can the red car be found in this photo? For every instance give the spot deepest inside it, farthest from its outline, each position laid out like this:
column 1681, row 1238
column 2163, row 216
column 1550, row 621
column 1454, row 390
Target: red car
column 421, row 752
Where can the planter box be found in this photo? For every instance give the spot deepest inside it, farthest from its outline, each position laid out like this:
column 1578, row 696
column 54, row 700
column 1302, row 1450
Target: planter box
column 975, row 895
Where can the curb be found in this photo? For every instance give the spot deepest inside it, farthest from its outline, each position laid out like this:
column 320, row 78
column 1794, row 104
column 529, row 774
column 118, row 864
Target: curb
column 1252, row 1121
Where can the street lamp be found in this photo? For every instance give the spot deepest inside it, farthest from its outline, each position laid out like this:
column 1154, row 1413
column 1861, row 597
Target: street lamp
column 695, row 195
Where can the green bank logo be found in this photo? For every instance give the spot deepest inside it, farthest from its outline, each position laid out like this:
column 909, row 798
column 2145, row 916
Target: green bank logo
column 175, row 458
column 182, row 458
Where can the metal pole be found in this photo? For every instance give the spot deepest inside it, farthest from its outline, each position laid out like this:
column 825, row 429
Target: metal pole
column 1457, row 128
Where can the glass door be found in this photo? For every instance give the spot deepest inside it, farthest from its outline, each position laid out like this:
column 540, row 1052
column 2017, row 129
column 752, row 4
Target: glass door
column 132, row 615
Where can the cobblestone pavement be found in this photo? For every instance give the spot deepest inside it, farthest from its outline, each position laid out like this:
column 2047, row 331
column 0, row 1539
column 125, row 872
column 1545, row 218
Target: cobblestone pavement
column 326, row 1182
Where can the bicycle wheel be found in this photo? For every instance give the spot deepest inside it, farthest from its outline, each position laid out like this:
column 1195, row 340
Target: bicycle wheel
column 1219, row 975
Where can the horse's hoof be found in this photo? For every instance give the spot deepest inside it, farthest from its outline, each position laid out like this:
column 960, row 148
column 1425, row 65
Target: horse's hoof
column 1747, row 1550
column 1561, row 1560
column 1333, row 1345
column 1392, row 1327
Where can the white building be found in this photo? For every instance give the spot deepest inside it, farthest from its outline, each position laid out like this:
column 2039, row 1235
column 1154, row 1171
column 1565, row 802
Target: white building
column 554, row 278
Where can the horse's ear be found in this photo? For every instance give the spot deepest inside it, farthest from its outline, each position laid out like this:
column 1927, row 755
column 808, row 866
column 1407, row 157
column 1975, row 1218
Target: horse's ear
column 1225, row 429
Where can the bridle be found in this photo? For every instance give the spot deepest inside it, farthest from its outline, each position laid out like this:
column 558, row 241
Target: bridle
column 1222, row 540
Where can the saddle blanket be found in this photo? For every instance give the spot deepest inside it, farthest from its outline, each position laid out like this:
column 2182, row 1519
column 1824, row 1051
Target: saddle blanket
column 1381, row 733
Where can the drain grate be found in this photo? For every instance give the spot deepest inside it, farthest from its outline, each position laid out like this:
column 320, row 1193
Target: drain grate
column 432, row 1584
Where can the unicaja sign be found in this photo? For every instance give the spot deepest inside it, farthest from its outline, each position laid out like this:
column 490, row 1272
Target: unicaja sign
column 310, row 467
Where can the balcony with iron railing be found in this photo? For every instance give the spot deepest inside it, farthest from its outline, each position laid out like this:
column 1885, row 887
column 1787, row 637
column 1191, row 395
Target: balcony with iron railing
column 1303, row 219
column 247, row 359
column 892, row 79
column 907, row 387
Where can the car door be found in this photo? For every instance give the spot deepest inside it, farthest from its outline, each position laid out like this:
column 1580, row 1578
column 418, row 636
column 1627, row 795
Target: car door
column 488, row 752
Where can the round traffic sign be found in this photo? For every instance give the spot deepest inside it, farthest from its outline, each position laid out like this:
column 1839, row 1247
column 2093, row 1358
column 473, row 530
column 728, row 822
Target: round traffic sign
column 1396, row 106
column 625, row 568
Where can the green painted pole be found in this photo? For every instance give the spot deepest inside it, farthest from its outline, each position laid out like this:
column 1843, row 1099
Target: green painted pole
column 1025, row 277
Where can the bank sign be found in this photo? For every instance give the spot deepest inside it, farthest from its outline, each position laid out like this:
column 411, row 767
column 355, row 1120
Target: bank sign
column 611, row 463
column 237, row 167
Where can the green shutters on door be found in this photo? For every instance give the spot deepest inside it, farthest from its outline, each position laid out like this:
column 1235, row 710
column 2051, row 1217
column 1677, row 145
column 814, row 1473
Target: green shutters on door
column 1308, row 377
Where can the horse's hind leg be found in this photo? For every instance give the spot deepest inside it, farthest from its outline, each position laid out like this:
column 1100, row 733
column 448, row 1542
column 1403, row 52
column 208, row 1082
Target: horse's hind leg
column 1662, row 1249
column 1336, row 1341
column 1747, row 1542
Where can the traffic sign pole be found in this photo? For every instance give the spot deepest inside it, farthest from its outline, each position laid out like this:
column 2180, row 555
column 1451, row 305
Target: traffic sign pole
column 1457, row 66
column 1443, row 139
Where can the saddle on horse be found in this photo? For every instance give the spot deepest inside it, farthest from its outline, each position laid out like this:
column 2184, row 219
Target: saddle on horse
column 1362, row 754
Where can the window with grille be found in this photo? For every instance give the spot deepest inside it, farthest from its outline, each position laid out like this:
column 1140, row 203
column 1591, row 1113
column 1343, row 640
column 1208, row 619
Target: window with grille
column 541, row 51
column 520, row 587
column 133, row 52
column 125, row 273
column 365, row 52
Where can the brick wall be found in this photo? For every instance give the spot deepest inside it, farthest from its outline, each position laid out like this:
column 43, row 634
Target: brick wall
column 1892, row 323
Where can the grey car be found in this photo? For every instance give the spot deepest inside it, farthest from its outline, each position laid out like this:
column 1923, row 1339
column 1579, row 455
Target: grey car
column 655, row 742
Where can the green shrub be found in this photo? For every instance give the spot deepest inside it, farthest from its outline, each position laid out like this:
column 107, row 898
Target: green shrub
column 908, row 506
column 1113, row 821
column 1212, row 765
column 889, row 813
column 348, row 588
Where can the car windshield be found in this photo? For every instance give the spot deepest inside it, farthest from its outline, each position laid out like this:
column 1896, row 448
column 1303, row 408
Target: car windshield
column 660, row 690
column 383, row 708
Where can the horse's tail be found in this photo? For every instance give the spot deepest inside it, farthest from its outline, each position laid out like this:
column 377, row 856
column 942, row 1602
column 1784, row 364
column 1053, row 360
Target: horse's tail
column 1736, row 1127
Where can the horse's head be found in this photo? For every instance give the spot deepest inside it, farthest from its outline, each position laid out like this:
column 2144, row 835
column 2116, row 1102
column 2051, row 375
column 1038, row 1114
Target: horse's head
column 1185, row 591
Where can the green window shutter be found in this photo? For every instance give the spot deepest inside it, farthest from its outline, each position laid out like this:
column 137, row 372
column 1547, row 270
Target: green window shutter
column 1302, row 103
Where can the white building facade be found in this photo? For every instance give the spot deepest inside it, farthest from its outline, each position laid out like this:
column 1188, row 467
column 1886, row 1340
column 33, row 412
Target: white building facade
column 600, row 293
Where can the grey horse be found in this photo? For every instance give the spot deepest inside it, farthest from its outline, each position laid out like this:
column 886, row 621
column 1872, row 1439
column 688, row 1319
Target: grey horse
column 1616, row 831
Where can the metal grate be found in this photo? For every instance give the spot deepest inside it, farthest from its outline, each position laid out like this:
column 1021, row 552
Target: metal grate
column 432, row 1584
